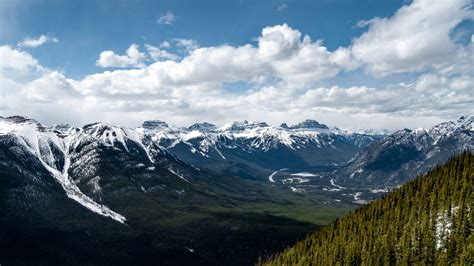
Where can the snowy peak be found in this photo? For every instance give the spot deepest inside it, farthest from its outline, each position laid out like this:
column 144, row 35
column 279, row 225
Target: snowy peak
column 248, row 136
column 445, row 129
column 436, row 133
column 465, row 123
column 241, row 126
column 154, row 125
column 151, row 124
column 309, row 124
column 106, row 133
column 410, row 151
column 14, row 122
column 205, row 126
column 65, row 129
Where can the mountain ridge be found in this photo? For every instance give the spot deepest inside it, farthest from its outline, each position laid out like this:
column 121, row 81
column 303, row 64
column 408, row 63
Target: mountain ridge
column 392, row 160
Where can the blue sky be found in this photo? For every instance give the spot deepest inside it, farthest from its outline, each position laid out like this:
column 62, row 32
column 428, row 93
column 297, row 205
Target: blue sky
column 354, row 64
column 88, row 27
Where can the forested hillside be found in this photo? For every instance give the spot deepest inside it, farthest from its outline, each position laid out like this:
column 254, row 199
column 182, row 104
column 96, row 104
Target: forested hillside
column 426, row 221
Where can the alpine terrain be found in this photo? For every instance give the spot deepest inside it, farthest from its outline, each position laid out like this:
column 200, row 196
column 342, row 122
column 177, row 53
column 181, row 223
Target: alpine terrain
column 194, row 194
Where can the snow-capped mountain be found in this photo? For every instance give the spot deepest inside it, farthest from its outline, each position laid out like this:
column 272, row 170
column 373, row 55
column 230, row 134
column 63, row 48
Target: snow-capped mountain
column 252, row 149
column 402, row 155
column 93, row 164
column 111, row 170
column 101, row 184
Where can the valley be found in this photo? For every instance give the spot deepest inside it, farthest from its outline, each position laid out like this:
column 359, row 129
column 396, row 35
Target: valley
column 201, row 194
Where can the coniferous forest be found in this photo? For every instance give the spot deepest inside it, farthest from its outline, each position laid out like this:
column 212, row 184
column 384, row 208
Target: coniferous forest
column 426, row 221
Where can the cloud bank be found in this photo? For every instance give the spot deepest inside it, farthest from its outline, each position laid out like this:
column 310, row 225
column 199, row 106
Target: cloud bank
column 281, row 76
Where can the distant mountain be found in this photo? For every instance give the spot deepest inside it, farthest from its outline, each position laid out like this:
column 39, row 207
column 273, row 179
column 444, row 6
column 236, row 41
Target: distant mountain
column 395, row 159
column 426, row 221
column 254, row 150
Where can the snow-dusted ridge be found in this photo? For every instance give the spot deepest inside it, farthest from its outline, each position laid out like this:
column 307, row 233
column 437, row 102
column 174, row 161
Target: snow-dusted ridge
column 411, row 151
column 37, row 138
column 205, row 138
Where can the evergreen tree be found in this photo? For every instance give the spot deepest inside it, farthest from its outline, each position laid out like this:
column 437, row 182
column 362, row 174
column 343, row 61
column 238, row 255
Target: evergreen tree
column 426, row 221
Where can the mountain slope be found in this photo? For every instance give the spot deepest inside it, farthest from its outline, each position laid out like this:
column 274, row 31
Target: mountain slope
column 396, row 158
column 426, row 221
column 99, row 185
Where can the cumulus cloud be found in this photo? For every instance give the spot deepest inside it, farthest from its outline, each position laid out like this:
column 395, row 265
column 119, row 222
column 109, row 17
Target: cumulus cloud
column 167, row 18
column 132, row 58
column 52, row 87
column 130, row 96
column 282, row 53
column 33, row 43
column 188, row 45
column 158, row 54
column 416, row 37
column 15, row 59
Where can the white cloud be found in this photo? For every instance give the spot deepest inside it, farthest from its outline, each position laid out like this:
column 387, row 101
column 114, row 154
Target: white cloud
column 187, row 44
column 364, row 23
column 283, row 72
column 165, row 44
column 462, row 83
column 282, row 7
column 416, row 37
column 15, row 59
column 280, row 41
column 159, row 54
column 52, row 87
column 133, row 58
column 430, row 82
column 167, row 18
column 282, row 54
column 187, row 91
column 33, row 43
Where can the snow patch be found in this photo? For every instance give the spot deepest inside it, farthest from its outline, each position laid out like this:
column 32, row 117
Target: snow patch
column 383, row 190
column 294, row 180
column 358, row 171
column 444, row 226
column 178, row 175
column 297, row 190
column 94, row 183
column 332, row 181
column 304, row 174
column 270, row 177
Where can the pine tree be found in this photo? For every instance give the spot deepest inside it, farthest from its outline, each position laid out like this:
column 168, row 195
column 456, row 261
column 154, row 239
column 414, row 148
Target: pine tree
column 429, row 220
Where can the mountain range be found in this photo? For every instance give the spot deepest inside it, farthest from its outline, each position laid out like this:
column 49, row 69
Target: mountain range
column 254, row 150
column 171, row 186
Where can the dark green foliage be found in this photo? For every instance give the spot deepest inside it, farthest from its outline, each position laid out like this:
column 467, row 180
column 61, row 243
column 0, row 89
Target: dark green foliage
column 426, row 221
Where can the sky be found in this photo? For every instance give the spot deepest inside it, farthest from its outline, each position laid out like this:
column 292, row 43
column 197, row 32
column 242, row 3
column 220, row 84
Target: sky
column 352, row 64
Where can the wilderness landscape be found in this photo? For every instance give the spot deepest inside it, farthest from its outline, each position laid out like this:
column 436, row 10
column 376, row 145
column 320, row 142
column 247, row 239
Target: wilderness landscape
column 236, row 133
